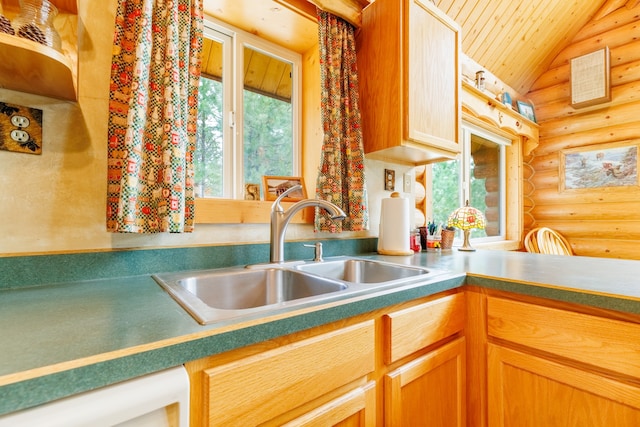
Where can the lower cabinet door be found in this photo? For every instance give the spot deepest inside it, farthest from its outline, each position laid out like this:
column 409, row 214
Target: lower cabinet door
column 528, row 391
column 354, row 409
column 428, row 391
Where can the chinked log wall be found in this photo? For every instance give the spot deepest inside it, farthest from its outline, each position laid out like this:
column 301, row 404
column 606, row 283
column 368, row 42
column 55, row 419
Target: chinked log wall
column 601, row 222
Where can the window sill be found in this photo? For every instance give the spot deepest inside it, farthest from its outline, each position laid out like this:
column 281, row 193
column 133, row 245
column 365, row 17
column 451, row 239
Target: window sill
column 227, row 211
column 503, row 245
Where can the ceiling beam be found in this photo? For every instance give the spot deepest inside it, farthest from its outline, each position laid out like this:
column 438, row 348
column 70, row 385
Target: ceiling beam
column 608, row 7
column 349, row 10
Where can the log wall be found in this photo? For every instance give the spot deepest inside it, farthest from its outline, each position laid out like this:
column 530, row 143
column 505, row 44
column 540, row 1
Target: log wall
column 604, row 221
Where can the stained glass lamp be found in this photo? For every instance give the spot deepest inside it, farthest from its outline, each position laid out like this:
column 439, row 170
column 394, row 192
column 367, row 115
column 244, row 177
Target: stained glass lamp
column 466, row 219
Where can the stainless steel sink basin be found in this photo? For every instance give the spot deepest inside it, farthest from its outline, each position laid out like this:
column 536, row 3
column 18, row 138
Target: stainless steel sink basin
column 362, row 270
column 213, row 295
column 237, row 293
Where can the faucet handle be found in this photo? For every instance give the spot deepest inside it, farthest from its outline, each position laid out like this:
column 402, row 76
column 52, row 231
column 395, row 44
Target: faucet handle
column 318, row 254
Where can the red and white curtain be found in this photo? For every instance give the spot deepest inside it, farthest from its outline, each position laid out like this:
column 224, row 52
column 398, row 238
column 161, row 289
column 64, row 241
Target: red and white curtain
column 153, row 105
column 341, row 177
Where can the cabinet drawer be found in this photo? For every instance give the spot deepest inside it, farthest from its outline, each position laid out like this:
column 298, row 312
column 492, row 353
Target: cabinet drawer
column 255, row 389
column 411, row 329
column 607, row 343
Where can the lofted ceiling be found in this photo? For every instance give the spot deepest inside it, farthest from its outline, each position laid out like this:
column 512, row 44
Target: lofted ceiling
column 516, row 40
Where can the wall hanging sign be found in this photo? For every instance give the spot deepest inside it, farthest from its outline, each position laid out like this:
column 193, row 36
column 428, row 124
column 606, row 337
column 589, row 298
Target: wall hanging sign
column 605, row 166
column 590, row 79
column 276, row 185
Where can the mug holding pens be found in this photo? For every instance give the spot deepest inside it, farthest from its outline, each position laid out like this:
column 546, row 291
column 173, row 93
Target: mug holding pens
column 434, row 236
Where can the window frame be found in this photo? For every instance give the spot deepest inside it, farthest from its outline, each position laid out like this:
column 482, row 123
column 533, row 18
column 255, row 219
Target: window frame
column 233, row 87
column 511, row 185
column 490, row 135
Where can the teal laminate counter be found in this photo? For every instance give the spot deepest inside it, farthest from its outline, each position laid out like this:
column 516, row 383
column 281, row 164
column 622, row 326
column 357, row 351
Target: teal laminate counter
column 62, row 339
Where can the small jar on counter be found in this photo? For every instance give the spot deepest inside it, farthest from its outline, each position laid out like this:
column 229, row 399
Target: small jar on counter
column 414, row 240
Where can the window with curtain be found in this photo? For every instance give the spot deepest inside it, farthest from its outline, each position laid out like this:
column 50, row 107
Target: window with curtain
column 477, row 175
column 248, row 115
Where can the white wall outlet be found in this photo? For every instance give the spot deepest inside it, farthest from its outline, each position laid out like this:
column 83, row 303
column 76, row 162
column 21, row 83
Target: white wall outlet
column 19, row 135
column 20, row 121
column 407, row 182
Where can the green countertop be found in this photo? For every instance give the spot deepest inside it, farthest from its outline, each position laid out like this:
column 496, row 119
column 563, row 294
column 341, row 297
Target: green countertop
column 63, row 339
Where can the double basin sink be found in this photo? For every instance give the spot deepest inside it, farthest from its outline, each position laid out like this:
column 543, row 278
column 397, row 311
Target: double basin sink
column 237, row 293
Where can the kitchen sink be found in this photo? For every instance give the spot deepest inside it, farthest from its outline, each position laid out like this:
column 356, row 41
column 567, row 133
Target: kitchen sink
column 213, row 295
column 239, row 293
column 362, row 270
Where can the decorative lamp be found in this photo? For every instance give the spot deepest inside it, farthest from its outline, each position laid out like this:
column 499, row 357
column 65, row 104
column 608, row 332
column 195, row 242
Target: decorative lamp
column 466, row 218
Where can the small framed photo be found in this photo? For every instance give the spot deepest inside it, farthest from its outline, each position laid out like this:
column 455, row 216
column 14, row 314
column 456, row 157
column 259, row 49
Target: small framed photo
column 526, row 110
column 252, row 191
column 274, row 186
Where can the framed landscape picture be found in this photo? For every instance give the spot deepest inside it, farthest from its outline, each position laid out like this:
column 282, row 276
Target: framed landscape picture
column 274, row 186
column 607, row 166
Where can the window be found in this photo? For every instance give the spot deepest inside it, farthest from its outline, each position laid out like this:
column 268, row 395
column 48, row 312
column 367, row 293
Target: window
column 477, row 175
column 248, row 113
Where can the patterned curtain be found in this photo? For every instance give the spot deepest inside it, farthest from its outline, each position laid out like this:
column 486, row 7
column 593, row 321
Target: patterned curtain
column 341, row 176
column 153, row 105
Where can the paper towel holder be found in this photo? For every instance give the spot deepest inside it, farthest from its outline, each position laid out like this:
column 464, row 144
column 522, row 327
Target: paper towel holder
column 396, row 250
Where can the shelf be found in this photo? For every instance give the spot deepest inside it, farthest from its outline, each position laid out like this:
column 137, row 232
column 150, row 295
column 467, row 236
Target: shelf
column 27, row 66
column 485, row 107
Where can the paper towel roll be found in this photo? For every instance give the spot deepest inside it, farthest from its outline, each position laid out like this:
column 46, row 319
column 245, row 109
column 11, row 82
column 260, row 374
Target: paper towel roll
column 395, row 223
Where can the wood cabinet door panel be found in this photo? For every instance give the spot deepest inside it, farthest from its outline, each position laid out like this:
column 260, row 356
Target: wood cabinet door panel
column 433, row 77
column 428, row 391
column 527, row 391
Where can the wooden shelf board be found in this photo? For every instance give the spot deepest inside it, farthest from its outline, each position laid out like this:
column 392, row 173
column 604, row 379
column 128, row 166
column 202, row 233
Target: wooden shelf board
column 27, row 66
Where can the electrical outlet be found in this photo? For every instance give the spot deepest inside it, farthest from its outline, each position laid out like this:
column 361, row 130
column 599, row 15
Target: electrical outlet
column 389, row 179
column 20, row 129
column 20, row 121
column 19, row 135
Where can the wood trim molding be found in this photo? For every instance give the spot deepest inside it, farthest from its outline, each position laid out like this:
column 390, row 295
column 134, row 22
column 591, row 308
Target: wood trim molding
column 349, row 10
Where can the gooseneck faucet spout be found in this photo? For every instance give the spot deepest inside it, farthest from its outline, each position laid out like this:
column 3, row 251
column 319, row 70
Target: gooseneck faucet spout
column 280, row 219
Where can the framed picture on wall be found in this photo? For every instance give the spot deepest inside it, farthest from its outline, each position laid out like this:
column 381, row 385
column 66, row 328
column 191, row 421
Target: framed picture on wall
column 591, row 78
column 526, row 109
column 605, row 166
column 274, row 186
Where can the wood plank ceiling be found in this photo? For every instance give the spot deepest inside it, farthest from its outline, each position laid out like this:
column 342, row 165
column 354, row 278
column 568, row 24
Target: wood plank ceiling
column 515, row 40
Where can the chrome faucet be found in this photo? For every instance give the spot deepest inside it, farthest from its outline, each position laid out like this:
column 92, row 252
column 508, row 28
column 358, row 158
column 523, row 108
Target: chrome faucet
column 280, row 219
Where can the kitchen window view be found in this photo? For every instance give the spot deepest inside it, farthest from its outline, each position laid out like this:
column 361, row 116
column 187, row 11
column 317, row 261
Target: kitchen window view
column 477, row 175
column 248, row 110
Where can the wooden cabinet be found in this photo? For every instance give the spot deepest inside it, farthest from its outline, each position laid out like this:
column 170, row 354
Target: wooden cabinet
column 409, row 77
column 320, row 380
column 394, row 366
column 555, row 367
column 428, row 389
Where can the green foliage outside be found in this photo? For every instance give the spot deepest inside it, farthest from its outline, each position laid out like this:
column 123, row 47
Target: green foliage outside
column 268, row 139
column 446, row 189
column 207, row 161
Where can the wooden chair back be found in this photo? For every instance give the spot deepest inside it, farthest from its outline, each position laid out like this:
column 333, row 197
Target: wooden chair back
column 543, row 240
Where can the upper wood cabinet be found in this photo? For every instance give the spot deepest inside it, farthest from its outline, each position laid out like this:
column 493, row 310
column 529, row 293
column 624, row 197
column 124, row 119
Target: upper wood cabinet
column 409, row 77
column 27, row 66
